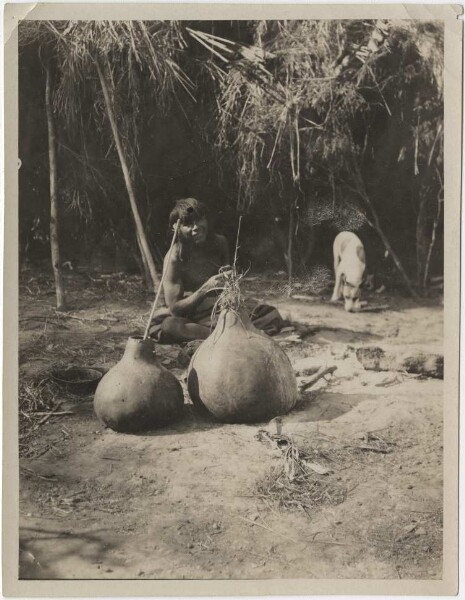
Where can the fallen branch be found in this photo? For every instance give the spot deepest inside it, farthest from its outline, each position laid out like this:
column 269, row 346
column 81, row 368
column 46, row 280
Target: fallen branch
column 56, row 413
column 375, row 449
column 322, row 371
column 374, row 358
column 31, row 472
column 304, row 297
column 375, row 309
column 41, row 318
column 46, row 417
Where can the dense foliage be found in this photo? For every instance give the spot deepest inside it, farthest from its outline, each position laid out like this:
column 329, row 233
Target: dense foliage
column 307, row 127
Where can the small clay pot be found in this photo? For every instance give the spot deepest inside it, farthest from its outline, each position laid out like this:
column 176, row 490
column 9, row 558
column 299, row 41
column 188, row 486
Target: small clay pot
column 81, row 381
column 138, row 393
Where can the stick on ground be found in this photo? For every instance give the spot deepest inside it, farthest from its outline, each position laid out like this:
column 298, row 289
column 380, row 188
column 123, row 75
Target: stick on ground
column 322, row 371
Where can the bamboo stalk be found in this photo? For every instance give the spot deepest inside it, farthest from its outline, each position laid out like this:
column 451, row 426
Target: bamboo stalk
column 420, row 237
column 393, row 255
column 127, row 176
column 361, row 191
column 433, row 237
column 54, row 210
column 145, row 267
column 290, row 240
column 237, row 245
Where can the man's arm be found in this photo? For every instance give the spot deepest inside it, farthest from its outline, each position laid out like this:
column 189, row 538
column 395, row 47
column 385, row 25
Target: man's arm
column 173, row 289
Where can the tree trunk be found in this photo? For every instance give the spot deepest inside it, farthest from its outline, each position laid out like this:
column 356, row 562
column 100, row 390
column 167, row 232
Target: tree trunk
column 281, row 237
column 421, row 242
column 309, row 246
column 361, row 190
column 290, row 243
column 394, row 257
column 433, row 240
column 127, row 178
column 145, row 267
column 428, row 248
column 54, row 209
column 289, row 250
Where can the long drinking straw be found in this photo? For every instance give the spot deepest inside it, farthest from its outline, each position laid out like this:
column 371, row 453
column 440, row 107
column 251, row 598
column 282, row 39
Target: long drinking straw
column 237, row 244
column 160, row 287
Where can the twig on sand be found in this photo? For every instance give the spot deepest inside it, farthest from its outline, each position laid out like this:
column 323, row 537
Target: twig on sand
column 31, row 472
column 374, row 309
column 370, row 448
column 269, row 529
column 331, row 543
column 304, row 297
column 56, row 413
column 48, row 415
column 261, row 556
column 353, row 488
column 322, row 371
column 39, row 318
column 305, row 542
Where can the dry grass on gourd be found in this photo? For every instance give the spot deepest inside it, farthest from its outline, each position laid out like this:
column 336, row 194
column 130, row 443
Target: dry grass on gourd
column 231, row 297
column 239, row 374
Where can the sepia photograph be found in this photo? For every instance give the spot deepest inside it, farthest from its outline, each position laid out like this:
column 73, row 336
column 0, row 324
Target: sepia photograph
column 230, row 265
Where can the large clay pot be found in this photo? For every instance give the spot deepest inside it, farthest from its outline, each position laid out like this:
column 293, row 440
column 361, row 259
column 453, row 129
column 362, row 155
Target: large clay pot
column 138, row 393
column 241, row 375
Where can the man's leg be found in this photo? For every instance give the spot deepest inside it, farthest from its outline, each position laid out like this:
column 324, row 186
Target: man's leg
column 175, row 330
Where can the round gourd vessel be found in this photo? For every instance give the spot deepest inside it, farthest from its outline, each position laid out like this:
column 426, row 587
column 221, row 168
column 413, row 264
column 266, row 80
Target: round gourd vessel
column 138, row 393
column 241, row 375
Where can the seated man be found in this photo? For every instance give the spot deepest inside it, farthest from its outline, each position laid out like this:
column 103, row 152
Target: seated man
column 192, row 280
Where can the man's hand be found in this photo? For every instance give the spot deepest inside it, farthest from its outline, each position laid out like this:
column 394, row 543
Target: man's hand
column 216, row 282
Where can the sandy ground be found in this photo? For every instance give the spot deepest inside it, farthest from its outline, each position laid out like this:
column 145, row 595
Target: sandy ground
column 188, row 501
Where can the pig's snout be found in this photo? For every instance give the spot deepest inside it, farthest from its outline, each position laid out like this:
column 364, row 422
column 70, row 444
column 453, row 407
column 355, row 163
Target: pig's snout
column 352, row 306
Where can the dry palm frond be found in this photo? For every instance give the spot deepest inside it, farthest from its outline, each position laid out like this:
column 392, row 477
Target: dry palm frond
column 131, row 49
column 141, row 60
column 36, row 394
column 301, row 481
column 141, row 57
column 36, row 398
column 38, row 403
column 288, row 102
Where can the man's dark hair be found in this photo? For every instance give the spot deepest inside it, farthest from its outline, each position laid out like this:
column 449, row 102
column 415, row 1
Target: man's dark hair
column 187, row 210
